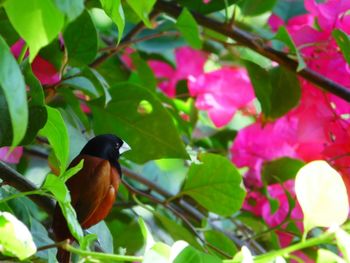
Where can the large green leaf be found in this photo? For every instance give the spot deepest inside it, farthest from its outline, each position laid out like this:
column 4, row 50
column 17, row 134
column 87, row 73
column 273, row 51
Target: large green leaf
column 38, row 22
column 114, row 10
column 15, row 238
column 277, row 89
column 56, row 133
column 343, row 42
column 177, row 231
column 200, row 7
column 80, row 38
column 37, row 110
column 256, row 7
column 221, row 241
column 142, row 8
column 149, row 131
column 280, row 170
column 215, row 184
column 191, row 255
column 14, row 91
column 188, row 27
column 144, row 72
column 72, row 9
column 6, row 29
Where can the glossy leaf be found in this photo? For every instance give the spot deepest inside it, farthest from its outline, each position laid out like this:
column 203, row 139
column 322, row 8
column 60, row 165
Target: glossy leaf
column 254, row 7
column 114, row 10
column 200, row 7
column 322, row 195
column 277, row 89
column 188, row 27
column 343, row 42
column 151, row 135
column 14, row 91
column 15, row 238
column 142, row 8
column 144, row 72
column 191, row 255
column 37, row 33
column 280, row 170
column 220, row 241
column 283, row 35
column 80, row 38
column 83, row 84
column 216, row 184
column 56, row 133
column 72, row 9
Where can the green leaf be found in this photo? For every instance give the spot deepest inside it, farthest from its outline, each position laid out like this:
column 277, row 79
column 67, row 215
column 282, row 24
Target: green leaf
column 158, row 253
column 215, row 184
column 56, row 186
column 326, row 256
column 114, row 10
column 191, row 255
column 220, row 241
column 80, row 38
column 188, row 27
column 271, row 87
column 286, row 91
column 287, row 9
column 56, row 133
column 146, row 233
column 283, row 35
column 104, row 235
column 37, row 31
column 151, row 135
column 343, row 41
column 343, row 242
column 72, row 171
column 37, row 110
column 177, row 231
column 14, row 91
column 199, row 7
column 6, row 29
column 142, row 8
column 254, row 7
column 280, row 170
column 15, row 238
column 72, row 9
column 144, row 72
column 83, row 84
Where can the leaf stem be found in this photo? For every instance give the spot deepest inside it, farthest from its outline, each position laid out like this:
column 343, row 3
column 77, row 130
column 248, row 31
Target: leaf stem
column 22, row 194
column 102, row 256
column 23, row 53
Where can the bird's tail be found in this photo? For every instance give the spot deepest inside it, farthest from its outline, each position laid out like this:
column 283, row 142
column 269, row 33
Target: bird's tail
column 63, row 256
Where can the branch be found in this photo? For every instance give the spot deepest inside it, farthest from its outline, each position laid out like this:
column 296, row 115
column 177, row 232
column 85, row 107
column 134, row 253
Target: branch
column 133, row 32
column 18, row 181
column 257, row 44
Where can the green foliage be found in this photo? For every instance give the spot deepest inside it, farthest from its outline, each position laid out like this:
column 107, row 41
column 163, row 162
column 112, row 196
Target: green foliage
column 36, row 32
column 13, row 90
column 253, row 7
column 80, row 38
column 142, row 8
column 114, row 10
column 150, row 135
column 277, row 89
column 343, row 42
column 219, row 192
column 188, row 27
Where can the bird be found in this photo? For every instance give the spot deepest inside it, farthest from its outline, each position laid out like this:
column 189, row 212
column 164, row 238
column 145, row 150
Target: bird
column 93, row 189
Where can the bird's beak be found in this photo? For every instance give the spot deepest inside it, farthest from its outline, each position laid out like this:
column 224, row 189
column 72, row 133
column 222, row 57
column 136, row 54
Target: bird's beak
column 124, row 148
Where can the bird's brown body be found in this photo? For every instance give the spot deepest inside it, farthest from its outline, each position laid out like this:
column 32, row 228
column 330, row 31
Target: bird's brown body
column 93, row 190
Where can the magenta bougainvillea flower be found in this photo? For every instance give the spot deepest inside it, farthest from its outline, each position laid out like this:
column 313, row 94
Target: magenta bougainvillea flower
column 221, row 92
column 11, row 157
column 46, row 73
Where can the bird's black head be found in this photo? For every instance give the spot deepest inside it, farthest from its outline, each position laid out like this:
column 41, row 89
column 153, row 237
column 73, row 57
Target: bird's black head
column 107, row 146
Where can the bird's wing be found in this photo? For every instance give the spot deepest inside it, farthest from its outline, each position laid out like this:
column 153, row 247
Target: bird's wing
column 89, row 186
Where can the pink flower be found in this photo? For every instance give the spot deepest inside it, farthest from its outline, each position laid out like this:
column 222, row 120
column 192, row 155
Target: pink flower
column 221, row 92
column 46, row 73
column 257, row 143
column 12, row 157
column 189, row 63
